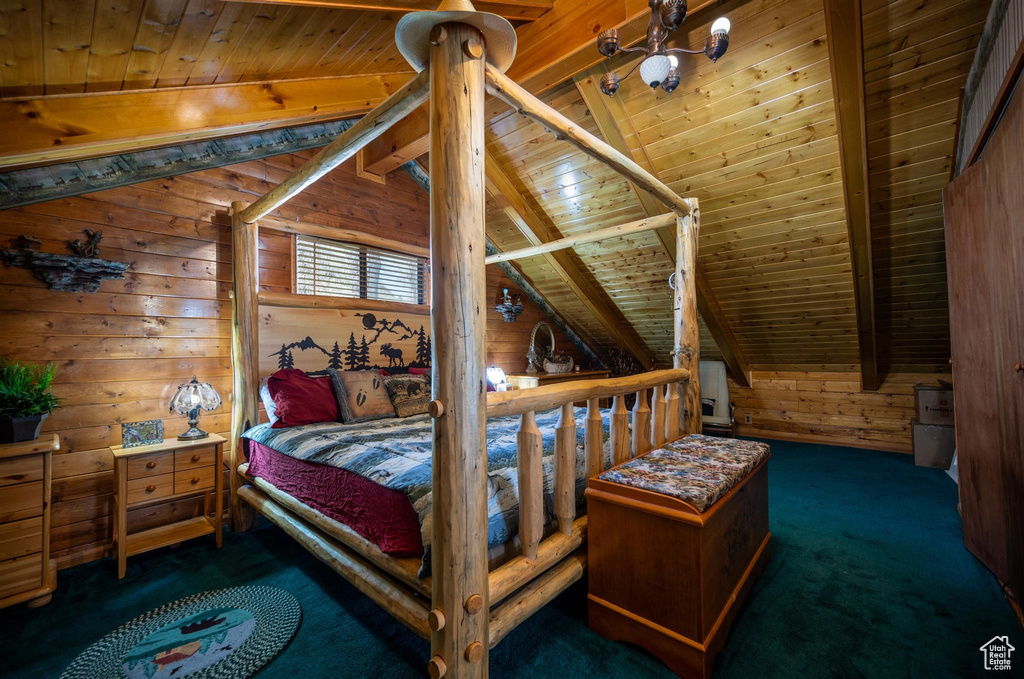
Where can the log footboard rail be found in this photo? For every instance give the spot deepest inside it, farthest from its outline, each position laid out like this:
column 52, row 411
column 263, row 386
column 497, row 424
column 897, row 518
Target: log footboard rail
column 464, row 608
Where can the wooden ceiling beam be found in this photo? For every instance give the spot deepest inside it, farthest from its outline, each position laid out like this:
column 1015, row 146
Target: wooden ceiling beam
column 846, row 59
column 514, row 10
column 567, row 267
column 556, row 47
column 607, row 113
column 49, row 129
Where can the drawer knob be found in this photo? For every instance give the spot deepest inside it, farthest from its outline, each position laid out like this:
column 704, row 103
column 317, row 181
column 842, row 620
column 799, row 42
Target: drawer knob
column 151, row 464
column 150, row 489
column 195, row 458
column 195, row 480
column 1019, row 367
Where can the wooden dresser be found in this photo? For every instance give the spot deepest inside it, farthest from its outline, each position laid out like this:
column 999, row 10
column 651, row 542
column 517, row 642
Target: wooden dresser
column 165, row 471
column 26, row 571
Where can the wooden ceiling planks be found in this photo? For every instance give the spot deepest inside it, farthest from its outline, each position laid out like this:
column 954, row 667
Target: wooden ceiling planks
column 917, row 55
column 753, row 137
column 69, row 46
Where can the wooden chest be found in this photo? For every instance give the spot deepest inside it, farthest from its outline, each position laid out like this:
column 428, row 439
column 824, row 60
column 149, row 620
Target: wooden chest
column 27, row 574
column 671, row 579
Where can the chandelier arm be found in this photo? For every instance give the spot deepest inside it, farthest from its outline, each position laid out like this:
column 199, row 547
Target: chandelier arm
column 680, row 50
column 633, row 69
column 632, row 49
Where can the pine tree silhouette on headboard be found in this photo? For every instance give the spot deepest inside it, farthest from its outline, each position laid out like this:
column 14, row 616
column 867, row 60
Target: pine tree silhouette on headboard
column 284, row 359
column 352, row 353
column 335, row 360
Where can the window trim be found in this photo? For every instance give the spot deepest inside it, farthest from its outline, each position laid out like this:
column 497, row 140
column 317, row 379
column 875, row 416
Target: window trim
column 422, row 262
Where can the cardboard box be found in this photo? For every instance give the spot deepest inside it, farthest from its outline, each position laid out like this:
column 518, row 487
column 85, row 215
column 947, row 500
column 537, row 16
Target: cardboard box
column 933, row 403
column 934, row 444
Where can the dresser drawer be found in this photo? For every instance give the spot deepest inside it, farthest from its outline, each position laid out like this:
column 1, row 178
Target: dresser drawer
column 21, row 575
column 20, row 538
column 150, row 465
column 190, row 459
column 21, row 470
column 189, row 480
column 22, row 501
column 150, row 488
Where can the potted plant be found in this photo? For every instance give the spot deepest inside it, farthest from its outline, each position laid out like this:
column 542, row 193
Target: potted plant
column 25, row 399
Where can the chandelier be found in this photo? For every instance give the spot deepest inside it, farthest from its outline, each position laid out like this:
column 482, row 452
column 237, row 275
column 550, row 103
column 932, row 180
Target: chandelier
column 661, row 66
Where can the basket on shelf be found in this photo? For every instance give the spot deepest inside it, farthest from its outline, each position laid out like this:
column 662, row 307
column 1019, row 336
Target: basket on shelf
column 562, row 366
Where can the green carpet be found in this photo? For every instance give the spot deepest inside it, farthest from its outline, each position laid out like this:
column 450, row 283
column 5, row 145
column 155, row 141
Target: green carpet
column 869, row 578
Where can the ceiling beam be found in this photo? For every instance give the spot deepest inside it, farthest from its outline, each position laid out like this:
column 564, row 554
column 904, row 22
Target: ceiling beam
column 556, row 47
column 59, row 128
column 846, row 59
column 610, row 114
column 566, row 266
column 521, row 10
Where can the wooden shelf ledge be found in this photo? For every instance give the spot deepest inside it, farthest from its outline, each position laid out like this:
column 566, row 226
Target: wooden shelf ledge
column 161, row 536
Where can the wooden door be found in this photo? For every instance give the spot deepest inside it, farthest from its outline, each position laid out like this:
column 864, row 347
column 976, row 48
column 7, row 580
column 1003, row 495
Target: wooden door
column 984, row 211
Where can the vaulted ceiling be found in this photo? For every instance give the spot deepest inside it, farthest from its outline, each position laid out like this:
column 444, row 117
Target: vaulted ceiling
column 757, row 137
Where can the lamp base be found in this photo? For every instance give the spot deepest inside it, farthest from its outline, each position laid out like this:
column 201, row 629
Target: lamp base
column 193, row 434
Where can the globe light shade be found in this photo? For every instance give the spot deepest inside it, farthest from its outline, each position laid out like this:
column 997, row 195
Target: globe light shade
column 654, row 69
column 720, row 26
column 189, row 399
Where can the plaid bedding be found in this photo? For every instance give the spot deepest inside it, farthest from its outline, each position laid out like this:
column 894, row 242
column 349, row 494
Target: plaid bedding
column 396, row 453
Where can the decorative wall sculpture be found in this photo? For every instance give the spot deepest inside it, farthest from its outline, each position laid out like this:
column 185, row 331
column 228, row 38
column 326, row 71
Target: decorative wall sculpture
column 81, row 271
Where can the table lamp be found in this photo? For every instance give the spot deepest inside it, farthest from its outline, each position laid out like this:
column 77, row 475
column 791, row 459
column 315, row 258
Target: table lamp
column 188, row 400
column 496, row 376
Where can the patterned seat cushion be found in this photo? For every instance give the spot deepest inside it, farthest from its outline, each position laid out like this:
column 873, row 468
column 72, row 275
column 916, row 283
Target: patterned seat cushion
column 696, row 469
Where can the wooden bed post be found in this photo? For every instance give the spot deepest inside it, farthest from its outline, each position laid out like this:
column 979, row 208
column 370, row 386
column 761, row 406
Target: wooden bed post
column 245, row 410
column 459, row 645
column 686, row 352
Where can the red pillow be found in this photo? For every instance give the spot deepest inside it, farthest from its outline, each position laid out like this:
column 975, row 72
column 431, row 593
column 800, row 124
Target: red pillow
column 419, row 371
column 301, row 399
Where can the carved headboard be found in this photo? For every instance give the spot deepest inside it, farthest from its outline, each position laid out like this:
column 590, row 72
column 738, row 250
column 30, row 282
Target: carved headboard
column 315, row 339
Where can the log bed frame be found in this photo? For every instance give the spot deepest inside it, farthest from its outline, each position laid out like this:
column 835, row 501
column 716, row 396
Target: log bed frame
column 462, row 608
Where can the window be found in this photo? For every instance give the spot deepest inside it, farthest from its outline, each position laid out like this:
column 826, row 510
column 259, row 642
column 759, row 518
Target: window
column 337, row 269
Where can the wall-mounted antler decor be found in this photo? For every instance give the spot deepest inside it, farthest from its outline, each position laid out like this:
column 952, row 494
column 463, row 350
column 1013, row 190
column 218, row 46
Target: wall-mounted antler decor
column 81, row 271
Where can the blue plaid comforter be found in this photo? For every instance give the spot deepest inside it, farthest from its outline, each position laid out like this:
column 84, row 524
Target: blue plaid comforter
column 396, row 453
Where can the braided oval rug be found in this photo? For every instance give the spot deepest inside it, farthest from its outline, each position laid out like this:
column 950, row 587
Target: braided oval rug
column 224, row 634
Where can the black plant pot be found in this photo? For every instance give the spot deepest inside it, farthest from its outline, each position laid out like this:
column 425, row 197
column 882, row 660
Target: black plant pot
column 15, row 429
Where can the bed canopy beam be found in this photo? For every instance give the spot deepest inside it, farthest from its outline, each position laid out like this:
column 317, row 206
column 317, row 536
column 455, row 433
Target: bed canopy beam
column 619, row 231
column 501, row 86
column 368, row 128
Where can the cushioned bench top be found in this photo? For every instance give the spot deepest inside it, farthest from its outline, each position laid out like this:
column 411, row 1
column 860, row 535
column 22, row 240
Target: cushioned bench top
column 696, row 469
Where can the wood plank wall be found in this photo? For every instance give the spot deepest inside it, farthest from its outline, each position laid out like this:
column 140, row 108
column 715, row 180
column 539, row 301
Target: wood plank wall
column 121, row 352
column 829, row 407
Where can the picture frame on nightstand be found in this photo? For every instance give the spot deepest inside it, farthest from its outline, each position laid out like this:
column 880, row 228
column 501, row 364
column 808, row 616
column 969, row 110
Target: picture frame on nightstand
column 145, row 433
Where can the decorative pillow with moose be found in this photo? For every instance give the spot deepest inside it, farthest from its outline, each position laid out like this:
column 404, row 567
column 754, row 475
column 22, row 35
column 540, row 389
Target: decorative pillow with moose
column 361, row 395
column 410, row 394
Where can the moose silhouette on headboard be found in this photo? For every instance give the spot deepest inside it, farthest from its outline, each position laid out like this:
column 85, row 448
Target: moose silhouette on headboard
column 394, row 355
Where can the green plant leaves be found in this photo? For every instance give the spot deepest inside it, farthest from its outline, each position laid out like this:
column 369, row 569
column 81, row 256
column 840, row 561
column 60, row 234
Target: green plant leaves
column 25, row 389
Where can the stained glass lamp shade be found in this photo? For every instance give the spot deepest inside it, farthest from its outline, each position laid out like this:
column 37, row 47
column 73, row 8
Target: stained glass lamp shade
column 190, row 398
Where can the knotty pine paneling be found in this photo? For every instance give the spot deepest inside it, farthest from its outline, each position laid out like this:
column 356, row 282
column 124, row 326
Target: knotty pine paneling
column 829, row 407
column 916, row 59
column 122, row 351
column 67, row 46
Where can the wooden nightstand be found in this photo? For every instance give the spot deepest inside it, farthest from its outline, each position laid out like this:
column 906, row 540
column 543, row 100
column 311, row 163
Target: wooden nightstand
column 165, row 471
column 26, row 571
